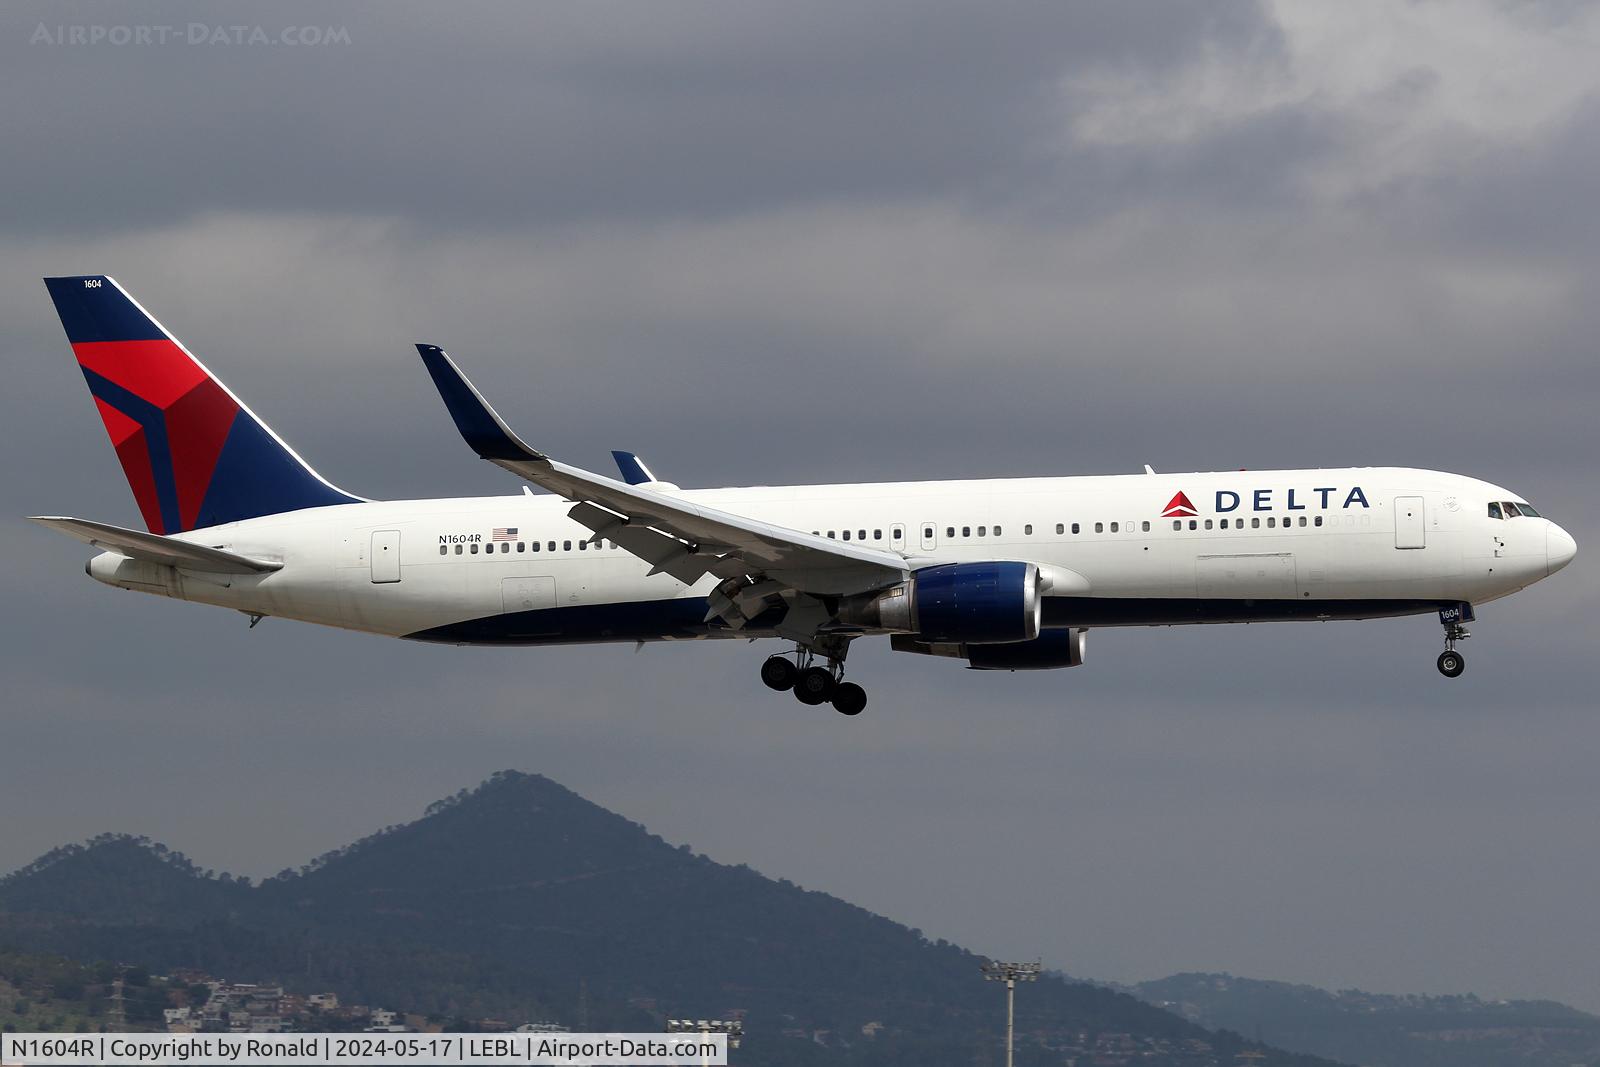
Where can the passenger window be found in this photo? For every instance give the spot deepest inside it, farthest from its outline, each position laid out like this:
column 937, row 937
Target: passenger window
column 1027, row 530
column 949, row 531
column 1114, row 527
column 1272, row 521
column 927, row 533
column 1208, row 524
column 1317, row 521
column 458, row 550
column 474, row 548
column 877, row 535
column 983, row 531
column 443, row 549
column 1099, row 527
column 1074, row 528
column 583, row 546
column 831, row 536
column 861, row 535
column 1224, row 524
column 522, row 546
column 966, row 531
column 534, row 545
column 505, row 546
column 1193, row 525
column 552, row 546
column 847, row 535
column 566, row 546
column 1255, row 524
column 1062, row 529
column 1177, row 524
column 997, row 531
column 1146, row 525
column 1302, row 520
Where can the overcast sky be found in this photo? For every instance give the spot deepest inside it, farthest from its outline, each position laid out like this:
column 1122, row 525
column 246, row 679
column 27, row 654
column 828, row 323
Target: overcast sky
column 833, row 242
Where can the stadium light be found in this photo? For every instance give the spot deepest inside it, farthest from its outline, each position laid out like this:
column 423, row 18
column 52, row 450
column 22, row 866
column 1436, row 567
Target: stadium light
column 1011, row 974
column 732, row 1027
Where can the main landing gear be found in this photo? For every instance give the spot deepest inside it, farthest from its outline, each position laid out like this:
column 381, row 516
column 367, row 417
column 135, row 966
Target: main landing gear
column 814, row 683
column 1451, row 662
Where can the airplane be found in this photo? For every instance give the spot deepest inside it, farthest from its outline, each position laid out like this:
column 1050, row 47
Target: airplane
column 1003, row 574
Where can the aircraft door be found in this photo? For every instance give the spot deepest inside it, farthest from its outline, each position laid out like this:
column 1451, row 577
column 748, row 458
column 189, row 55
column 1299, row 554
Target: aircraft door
column 385, row 556
column 1408, row 522
column 897, row 537
column 930, row 537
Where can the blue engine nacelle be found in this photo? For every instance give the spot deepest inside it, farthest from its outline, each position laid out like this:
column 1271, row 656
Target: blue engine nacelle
column 968, row 603
column 1051, row 650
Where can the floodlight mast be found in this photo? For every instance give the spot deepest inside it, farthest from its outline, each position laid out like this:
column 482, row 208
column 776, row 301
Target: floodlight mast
column 1011, row 974
column 732, row 1027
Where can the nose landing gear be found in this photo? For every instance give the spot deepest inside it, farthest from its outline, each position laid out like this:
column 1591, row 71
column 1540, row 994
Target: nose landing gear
column 1451, row 663
column 815, row 683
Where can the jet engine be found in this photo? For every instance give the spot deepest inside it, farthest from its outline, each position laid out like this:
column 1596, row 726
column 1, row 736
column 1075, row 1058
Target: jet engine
column 968, row 603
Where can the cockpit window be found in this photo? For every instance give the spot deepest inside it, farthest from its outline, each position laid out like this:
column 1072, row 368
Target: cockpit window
column 1511, row 510
column 1494, row 511
column 1527, row 509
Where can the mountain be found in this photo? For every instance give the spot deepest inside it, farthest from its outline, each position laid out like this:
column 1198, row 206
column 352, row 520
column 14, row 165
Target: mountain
column 521, row 900
column 1383, row 1030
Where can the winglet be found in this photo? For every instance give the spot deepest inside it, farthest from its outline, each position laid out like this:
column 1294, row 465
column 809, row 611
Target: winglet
column 634, row 472
column 485, row 431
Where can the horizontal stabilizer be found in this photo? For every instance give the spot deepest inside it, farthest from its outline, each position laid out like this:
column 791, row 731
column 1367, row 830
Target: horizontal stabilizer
column 154, row 548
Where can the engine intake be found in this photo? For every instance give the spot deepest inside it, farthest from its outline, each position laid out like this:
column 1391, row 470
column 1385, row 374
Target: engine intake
column 970, row 603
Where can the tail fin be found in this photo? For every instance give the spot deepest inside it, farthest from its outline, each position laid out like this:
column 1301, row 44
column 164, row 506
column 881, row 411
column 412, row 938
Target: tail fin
column 194, row 454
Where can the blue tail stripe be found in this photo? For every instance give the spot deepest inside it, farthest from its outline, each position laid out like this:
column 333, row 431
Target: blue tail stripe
column 256, row 476
column 93, row 309
column 154, row 422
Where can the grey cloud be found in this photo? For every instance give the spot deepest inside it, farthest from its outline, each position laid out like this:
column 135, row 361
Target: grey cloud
column 489, row 115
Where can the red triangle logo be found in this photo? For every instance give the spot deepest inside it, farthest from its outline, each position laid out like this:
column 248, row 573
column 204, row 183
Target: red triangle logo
column 1178, row 507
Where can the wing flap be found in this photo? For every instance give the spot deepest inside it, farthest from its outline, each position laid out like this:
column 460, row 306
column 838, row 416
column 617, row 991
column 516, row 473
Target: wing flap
column 155, row 548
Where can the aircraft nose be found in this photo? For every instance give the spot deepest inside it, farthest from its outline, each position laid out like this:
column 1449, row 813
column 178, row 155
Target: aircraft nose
column 1559, row 548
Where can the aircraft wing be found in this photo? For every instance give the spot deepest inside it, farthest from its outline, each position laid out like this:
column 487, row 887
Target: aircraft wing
column 674, row 534
column 154, row 548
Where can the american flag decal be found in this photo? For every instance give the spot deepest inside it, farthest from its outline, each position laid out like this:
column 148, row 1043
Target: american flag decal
column 504, row 533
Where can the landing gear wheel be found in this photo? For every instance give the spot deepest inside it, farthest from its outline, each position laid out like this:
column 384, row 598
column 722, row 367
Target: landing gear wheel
column 1451, row 664
column 814, row 685
column 779, row 673
column 849, row 698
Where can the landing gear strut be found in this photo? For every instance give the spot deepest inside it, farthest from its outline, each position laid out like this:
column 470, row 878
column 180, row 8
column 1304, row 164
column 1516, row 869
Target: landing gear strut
column 1451, row 662
column 816, row 683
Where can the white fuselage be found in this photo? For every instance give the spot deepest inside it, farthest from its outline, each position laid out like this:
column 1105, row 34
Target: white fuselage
column 1345, row 543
